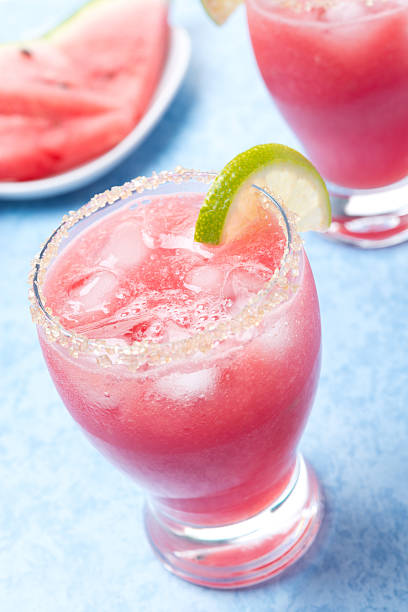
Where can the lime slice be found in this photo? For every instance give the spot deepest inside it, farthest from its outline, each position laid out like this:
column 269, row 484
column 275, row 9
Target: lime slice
column 231, row 203
column 220, row 10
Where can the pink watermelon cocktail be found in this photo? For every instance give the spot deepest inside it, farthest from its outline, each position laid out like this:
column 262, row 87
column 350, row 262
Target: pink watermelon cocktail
column 338, row 71
column 172, row 362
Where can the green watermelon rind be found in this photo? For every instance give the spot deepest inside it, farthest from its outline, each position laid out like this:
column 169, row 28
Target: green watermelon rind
column 79, row 14
column 63, row 26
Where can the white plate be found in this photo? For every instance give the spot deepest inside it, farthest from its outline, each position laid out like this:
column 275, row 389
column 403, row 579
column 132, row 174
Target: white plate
column 173, row 73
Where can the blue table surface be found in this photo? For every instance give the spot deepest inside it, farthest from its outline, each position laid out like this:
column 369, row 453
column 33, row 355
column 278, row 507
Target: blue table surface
column 71, row 534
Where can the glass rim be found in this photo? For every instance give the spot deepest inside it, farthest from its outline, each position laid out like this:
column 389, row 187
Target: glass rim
column 277, row 290
column 300, row 9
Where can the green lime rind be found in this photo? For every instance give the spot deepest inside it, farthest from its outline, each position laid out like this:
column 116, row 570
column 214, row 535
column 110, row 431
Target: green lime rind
column 213, row 213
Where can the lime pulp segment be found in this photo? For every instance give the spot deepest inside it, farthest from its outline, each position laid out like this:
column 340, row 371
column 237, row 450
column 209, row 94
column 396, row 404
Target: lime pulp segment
column 283, row 172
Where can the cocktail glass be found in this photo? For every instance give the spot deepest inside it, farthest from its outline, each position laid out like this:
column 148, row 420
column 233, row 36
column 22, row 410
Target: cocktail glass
column 208, row 425
column 338, row 72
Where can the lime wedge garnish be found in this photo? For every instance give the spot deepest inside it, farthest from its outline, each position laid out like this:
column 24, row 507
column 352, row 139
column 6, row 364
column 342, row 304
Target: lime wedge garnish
column 220, row 10
column 231, row 203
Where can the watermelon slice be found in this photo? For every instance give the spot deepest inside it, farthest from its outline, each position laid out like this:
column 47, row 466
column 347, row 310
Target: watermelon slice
column 75, row 93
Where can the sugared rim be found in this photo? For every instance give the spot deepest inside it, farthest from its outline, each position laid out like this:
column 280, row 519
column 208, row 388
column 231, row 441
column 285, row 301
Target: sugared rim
column 299, row 8
column 277, row 290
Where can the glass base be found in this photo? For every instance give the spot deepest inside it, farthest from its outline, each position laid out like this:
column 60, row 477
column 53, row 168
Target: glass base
column 369, row 218
column 245, row 553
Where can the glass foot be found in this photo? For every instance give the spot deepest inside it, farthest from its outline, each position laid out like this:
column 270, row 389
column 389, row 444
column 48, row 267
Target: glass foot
column 245, row 553
column 371, row 219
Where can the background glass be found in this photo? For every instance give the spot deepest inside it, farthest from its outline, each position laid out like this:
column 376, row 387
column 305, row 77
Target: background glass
column 338, row 72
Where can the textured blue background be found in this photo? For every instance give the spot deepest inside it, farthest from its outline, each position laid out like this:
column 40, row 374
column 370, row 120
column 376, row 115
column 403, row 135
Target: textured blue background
column 71, row 535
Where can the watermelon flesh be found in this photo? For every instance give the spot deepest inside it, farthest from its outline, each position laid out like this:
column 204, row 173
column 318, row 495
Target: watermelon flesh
column 74, row 94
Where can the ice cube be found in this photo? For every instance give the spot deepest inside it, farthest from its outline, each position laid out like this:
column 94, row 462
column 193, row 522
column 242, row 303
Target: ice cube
column 94, row 292
column 125, row 247
column 208, row 279
column 178, row 241
column 171, row 241
column 349, row 10
column 139, row 330
column 175, row 332
column 242, row 282
column 182, row 385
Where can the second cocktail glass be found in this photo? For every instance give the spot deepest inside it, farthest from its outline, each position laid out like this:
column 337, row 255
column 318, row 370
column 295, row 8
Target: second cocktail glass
column 338, row 72
column 207, row 419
